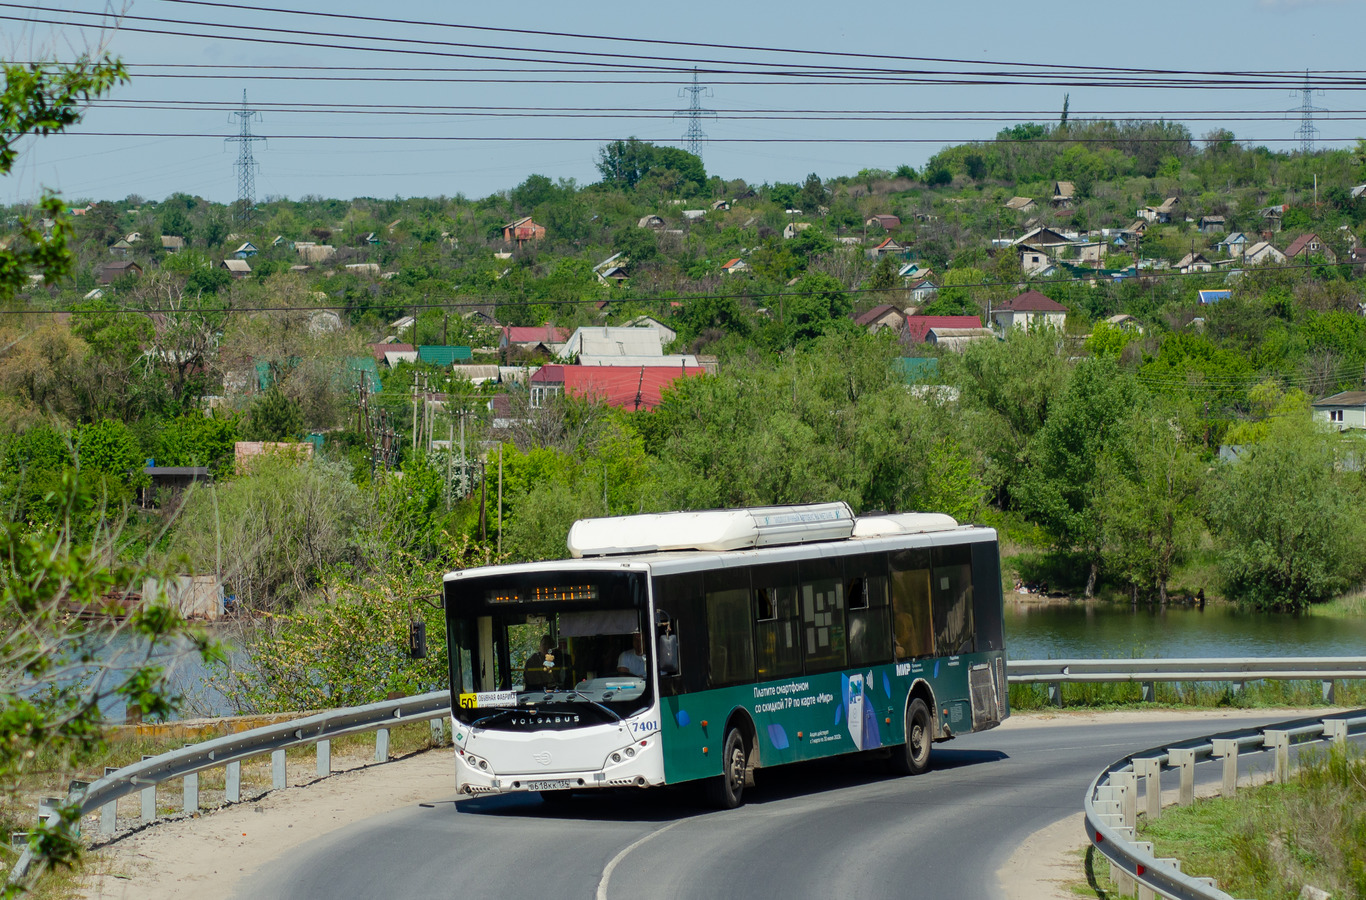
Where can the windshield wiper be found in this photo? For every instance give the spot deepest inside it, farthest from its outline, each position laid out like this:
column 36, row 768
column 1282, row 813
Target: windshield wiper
column 586, row 699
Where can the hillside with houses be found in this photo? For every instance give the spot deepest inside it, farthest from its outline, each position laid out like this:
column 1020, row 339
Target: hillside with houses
column 1034, row 331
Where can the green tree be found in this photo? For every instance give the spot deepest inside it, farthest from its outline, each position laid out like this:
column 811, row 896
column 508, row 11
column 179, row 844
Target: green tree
column 275, row 417
column 43, row 98
column 1150, row 490
column 1057, row 487
column 1288, row 524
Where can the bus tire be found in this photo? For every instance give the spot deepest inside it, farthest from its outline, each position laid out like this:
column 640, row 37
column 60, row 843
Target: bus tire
column 727, row 790
column 913, row 757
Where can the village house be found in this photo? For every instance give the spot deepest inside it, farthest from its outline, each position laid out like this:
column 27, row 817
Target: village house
column 1064, row 193
column 1233, row 245
column 523, row 230
column 792, row 229
column 1307, row 245
column 651, row 221
column 1125, row 322
column 957, row 339
column 917, row 328
column 172, row 243
column 1262, row 252
column 1194, row 262
column 238, row 268
column 735, row 266
column 1029, row 310
column 631, row 388
column 1342, row 411
column 1033, row 260
column 921, row 290
column 885, row 221
column 1272, row 217
column 113, row 271
column 1212, row 225
column 890, row 245
column 247, row 249
column 880, row 318
column 611, row 270
column 1021, row 204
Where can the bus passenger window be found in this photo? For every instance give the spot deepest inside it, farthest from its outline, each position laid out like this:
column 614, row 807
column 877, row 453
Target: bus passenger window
column 910, row 576
column 822, row 608
column 952, row 600
column 777, row 632
column 870, row 636
column 728, row 625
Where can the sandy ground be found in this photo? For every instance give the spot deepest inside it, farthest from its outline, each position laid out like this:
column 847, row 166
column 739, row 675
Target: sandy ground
column 206, row 856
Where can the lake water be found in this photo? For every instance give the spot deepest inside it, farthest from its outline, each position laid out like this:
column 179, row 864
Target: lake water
column 1033, row 631
column 1108, row 631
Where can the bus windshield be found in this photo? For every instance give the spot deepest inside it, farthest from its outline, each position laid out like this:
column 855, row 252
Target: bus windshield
column 549, row 650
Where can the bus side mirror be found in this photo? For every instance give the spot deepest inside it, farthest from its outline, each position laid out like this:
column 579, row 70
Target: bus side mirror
column 417, row 639
column 668, row 645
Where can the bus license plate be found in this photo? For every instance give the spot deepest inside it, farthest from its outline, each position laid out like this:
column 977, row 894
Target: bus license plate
column 549, row 785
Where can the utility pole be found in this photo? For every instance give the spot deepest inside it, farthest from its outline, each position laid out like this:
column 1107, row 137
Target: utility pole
column 695, row 135
column 246, row 162
column 1307, row 132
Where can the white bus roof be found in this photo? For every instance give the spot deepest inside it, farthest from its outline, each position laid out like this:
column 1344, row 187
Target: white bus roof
column 868, row 534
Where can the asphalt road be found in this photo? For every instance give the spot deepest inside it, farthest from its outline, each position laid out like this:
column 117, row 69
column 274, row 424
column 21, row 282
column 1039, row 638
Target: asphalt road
column 838, row 828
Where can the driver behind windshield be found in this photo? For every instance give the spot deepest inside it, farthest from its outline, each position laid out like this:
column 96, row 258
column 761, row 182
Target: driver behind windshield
column 632, row 659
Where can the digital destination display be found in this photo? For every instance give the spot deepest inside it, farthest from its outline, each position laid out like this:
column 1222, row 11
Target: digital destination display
column 553, row 594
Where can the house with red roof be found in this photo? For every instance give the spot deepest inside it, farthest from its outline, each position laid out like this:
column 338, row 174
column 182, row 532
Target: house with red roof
column 891, row 245
column 918, row 327
column 631, row 388
column 545, row 338
column 1029, row 310
column 734, row 266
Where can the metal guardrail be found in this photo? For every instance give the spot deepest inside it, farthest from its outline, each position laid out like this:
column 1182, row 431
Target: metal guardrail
column 229, row 752
column 1235, row 670
column 1111, row 802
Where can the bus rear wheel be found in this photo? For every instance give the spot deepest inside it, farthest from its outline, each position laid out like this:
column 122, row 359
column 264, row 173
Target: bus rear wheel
column 913, row 757
column 727, row 791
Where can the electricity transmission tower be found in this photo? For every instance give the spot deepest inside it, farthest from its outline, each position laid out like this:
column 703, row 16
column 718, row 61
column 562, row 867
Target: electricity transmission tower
column 246, row 162
column 695, row 135
column 1307, row 132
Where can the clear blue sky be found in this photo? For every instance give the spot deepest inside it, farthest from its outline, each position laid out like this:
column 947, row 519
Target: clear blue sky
column 1242, row 35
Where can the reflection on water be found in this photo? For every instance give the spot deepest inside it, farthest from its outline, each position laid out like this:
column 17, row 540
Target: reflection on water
column 1102, row 630
column 199, row 684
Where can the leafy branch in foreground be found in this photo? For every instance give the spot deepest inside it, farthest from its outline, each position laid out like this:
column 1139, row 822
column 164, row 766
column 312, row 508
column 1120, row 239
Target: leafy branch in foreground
column 58, row 677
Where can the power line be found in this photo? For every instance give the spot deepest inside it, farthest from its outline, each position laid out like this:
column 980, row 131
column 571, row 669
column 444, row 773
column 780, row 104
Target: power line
column 1014, row 73
column 465, row 138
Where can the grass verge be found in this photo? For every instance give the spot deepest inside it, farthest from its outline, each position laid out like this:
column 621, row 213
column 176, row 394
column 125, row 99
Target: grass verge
column 1190, row 695
column 1269, row 842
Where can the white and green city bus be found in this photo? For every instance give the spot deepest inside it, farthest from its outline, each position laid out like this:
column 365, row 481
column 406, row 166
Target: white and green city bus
column 687, row 646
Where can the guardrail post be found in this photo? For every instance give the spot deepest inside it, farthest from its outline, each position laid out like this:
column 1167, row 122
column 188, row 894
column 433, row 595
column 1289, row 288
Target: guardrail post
column 381, row 745
column 1150, row 770
column 1227, row 750
column 109, row 813
column 1146, row 847
column 149, row 800
column 324, row 758
column 191, row 793
column 1279, row 741
column 1329, row 694
column 1149, row 691
column 1335, row 730
column 1126, row 783
column 278, row 777
column 233, row 782
column 149, row 804
column 438, row 731
column 1184, row 759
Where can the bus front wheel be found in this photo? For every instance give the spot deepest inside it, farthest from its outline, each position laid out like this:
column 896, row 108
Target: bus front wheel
column 728, row 790
column 913, row 757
